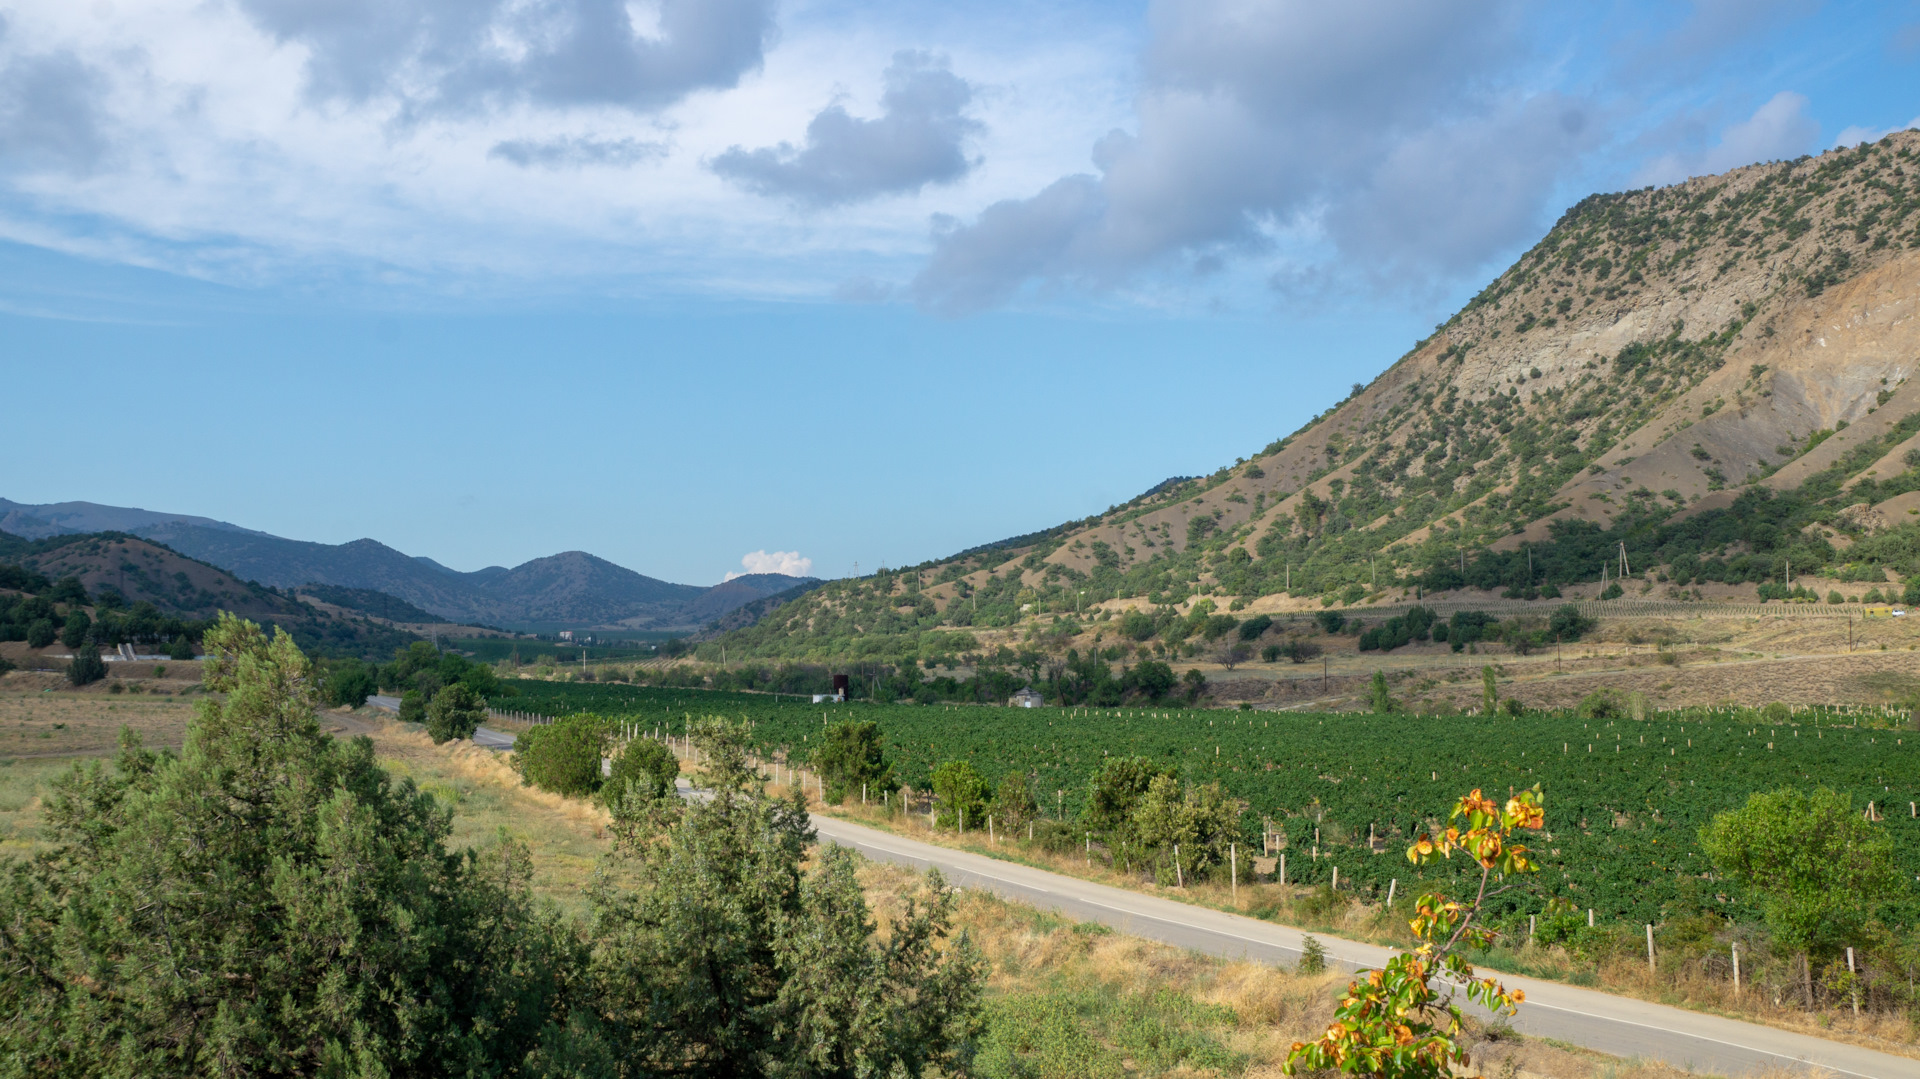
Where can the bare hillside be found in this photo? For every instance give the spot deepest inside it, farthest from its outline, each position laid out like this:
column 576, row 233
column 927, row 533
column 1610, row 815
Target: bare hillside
column 1713, row 375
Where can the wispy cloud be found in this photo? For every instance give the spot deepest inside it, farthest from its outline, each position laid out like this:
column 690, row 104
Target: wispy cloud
column 1781, row 128
column 573, row 151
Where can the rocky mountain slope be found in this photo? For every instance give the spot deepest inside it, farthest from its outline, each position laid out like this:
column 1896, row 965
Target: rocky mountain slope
column 1714, row 374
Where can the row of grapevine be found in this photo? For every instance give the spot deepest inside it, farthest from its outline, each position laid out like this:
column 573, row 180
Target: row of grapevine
column 1625, row 799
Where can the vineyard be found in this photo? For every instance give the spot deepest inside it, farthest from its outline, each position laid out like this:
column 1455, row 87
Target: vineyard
column 1625, row 799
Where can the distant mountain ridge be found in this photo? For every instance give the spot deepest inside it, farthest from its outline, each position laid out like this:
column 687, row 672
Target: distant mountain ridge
column 572, row 588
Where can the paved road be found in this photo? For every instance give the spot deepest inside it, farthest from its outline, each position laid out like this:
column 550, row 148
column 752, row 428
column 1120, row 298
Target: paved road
column 1611, row 1024
column 482, row 737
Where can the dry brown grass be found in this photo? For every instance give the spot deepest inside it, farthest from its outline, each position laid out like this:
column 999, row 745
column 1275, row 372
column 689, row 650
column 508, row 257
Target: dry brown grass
column 67, row 724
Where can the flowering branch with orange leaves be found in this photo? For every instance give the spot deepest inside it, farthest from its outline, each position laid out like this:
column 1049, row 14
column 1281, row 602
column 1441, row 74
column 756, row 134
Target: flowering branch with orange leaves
column 1394, row 1023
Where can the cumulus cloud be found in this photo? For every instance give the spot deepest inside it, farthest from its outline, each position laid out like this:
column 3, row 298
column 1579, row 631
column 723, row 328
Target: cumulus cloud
column 916, row 140
column 1259, row 117
column 576, row 152
column 1779, row 129
column 462, row 55
column 52, row 115
column 788, row 562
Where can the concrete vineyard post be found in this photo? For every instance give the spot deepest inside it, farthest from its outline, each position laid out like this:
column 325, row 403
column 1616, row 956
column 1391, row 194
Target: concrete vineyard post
column 1736, row 968
column 1336, row 878
column 1530, row 927
column 1650, row 946
column 1233, row 871
column 1589, row 917
column 1391, row 885
column 1180, row 881
column 1283, row 868
column 1855, row 987
column 991, row 837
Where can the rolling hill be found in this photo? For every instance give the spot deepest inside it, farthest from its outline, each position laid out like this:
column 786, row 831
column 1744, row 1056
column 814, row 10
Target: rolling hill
column 572, row 589
column 140, row 570
column 1710, row 379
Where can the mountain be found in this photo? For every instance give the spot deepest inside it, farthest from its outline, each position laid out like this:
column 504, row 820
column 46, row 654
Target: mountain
column 67, row 518
column 143, row 571
column 1714, row 377
column 572, row 589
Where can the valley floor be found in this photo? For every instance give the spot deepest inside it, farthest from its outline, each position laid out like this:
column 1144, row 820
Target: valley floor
column 1064, row 998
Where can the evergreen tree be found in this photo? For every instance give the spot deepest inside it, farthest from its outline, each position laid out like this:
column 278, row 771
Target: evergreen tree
column 74, row 633
column 86, row 667
column 455, row 714
column 268, row 902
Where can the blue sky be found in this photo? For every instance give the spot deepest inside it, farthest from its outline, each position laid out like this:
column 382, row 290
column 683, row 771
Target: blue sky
column 675, row 281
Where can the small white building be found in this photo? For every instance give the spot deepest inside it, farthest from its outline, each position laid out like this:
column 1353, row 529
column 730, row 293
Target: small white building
column 829, row 698
column 1026, row 698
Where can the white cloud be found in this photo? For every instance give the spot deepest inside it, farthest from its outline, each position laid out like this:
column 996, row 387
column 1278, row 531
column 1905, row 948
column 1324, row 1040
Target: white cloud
column 1262, row 118
column 1777, row 130
column 790, row 563
column 1856, row 134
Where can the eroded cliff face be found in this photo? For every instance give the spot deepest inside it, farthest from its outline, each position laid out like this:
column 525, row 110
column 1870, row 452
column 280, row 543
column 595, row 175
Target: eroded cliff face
column 1675, row 344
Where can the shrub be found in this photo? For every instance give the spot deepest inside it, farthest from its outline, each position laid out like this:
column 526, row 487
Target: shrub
column 645, row 770
column 1613, row 591
column 182, row 649
column 1218, row 626
column 1834, row 596
column 851, row 756
column 455, row 714
column 1300, row 651
column 1568, row 624
column 962, row 791
column 1252, row 628
column 562, row 756
column 86, row 668
column 1911, row 594
column 413, row 706
column 40, row 633
column 1313, row 956
column 74, row 633
column 1330, row 621
column 1602, row 704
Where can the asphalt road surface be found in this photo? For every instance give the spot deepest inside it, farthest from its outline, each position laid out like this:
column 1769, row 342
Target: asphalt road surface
column 1616, row 1025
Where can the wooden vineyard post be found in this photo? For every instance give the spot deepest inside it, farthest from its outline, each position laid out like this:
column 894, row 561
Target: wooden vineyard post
column 1531, row 920
column 1089, row 848
column 1180, row 881
column 963, row 820
column 991, row 836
